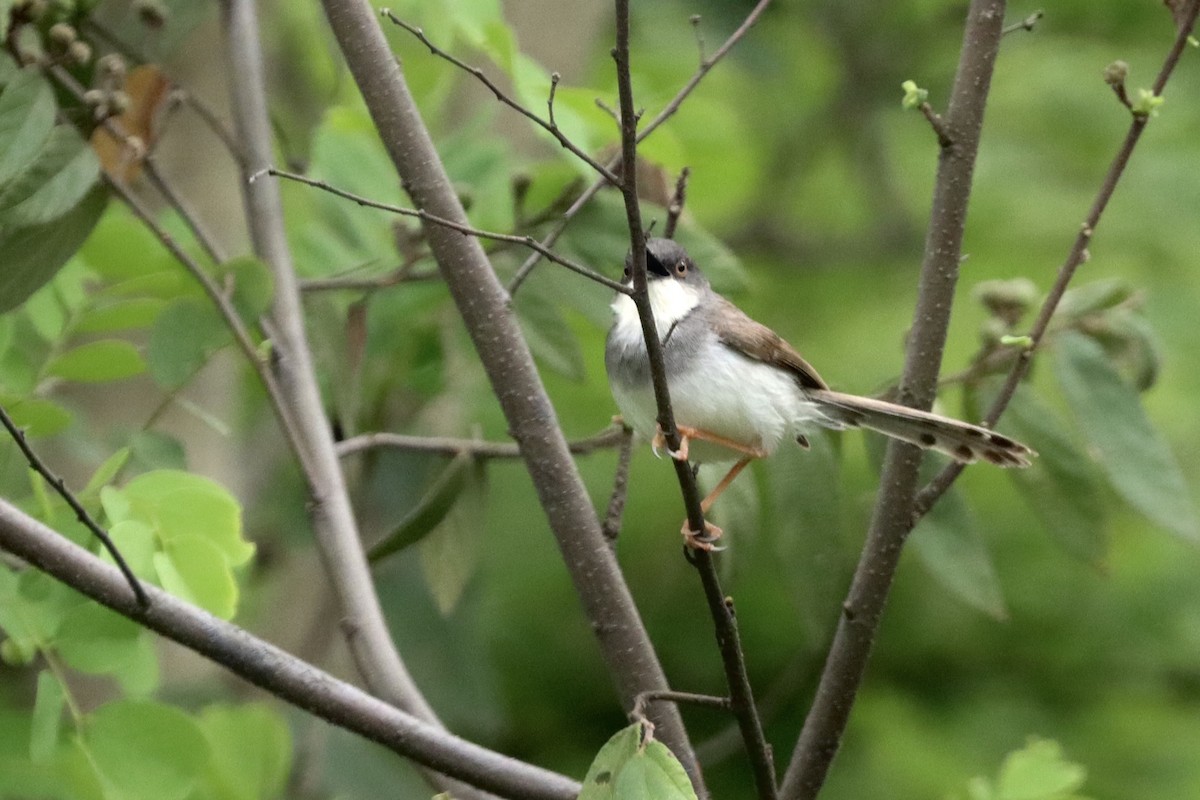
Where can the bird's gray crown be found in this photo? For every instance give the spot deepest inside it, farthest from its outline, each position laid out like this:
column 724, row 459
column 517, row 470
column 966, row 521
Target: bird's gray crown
column 663, row 260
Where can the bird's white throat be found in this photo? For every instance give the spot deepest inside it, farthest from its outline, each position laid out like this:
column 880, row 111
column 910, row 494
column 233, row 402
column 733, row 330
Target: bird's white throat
column 670, row 301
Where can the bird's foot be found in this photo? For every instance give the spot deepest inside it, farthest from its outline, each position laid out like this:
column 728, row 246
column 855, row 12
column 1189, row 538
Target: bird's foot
column 660, row 442
column 702, row 541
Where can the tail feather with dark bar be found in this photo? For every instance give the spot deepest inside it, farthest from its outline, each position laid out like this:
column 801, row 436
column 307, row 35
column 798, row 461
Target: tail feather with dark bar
column 959, row 440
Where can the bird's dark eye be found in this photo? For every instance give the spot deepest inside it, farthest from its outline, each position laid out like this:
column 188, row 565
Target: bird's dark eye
column 681, row 268
column 627, row 273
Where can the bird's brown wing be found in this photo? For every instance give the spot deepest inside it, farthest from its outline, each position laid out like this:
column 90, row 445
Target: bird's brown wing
column 757, row 341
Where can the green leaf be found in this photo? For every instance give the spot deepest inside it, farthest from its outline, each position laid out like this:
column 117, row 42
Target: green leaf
column 57, row 179
column 1132, row 453
column 95, row 640
column 804, row 488
column 31, row 255
column 429, row 511
column 26, row 119
column 549, row 336
column 120, row 315
column 450, row 553
column 627, row 769
column 251, row 751
column 1062, row 484
column 145, row 750
column 98, row 362
column 180, row 504
column 1096, row 296
column 47, row 717
column 1039, row 772
column 192, row 568
column 37, row 416
column 253, row 286
column 183, row 338
column 949, row 545
column 105, row 472
column 134, row 540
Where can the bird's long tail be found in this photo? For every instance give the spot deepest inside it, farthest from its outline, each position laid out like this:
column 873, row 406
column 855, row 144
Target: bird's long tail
column 959, row 440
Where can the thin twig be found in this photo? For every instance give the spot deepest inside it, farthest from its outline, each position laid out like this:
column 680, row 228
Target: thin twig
column 350, row 283
column 938, row 124
column 466, row 230
column 81, row 513
column 675, row 209
column 201, row 234
column 1078, row 254
column 1026, row 24
column 666, row 113
column 620, row 490
column 690, row 698
column 721, row 607
column 608, row 438
column 550, row 127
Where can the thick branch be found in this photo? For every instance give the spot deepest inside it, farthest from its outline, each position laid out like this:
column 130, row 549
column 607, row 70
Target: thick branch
column 280, row 673
column 333, row 518
column 721, row 608
column 489, row 320
column 892, row 519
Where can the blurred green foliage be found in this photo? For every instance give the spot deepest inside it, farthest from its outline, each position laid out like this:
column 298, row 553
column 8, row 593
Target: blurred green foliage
column 1060, row 602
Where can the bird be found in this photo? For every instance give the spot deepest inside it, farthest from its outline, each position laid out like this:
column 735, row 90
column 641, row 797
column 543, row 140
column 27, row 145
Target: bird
column 738, row 389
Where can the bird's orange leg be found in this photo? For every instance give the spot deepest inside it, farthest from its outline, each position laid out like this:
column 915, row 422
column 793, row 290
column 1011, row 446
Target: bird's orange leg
column 686, row 434
column 704, row 541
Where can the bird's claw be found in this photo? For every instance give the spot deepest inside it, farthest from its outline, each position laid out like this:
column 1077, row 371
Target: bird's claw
column 660, row 442
column 702, row 541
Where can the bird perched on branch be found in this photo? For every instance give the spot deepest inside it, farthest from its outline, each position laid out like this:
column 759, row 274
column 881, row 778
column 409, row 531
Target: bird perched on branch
column 738, row 389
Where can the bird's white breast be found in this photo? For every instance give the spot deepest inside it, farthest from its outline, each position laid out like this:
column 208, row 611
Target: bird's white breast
column 720, row 390
column 670, row 301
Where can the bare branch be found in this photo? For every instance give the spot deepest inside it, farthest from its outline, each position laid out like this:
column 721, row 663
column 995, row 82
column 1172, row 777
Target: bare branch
column 1026, row 24
column 675, row 209
column 201, row 234
column 489, row 319
column 550, row 127
column 466, row 230
column 616, row 499
column 349, row 282
column 336, row 529
column 721, row 608
column 938, row 124
column 279, row 673
column 81, row 513
column 1076, row 257
column 666, row 113
column 606, row 439
column 844, row 668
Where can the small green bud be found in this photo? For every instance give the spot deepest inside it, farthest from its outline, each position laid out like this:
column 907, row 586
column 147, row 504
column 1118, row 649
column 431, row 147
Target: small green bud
column 913, row 95
column 1147, row 104
column 1193, row 41
column 1017, row 341
column 1116, row 73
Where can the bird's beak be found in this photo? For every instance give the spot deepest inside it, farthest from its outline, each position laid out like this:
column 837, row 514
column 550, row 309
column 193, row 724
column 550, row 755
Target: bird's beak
column 656, row 267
